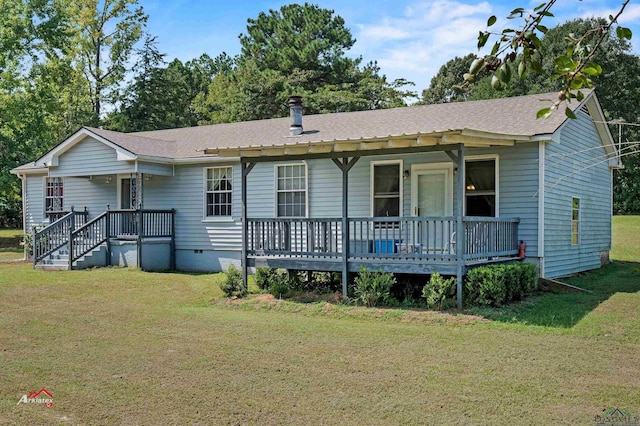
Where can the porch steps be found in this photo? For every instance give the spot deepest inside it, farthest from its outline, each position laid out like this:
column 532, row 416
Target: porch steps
column 59, row 260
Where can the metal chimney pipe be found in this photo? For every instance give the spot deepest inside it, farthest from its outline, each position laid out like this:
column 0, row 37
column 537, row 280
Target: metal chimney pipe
column 295, row 110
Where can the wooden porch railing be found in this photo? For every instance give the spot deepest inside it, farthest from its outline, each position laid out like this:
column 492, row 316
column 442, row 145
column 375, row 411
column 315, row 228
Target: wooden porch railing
column 423, row 238
column 119, row 224
column 490, row 237
column 141, row 223
column 56, row 235
column 88, row 237
column 81, row 237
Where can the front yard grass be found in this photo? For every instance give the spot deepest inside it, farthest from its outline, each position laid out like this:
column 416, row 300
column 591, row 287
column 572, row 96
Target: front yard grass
column 118, row 346
column 10, row 245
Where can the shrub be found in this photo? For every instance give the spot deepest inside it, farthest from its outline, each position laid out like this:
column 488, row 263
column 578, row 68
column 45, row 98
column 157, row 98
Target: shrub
column 280, row 284
column 232, row 285
column 276, row 281
column 373, row 288
column 495, row 285
column 437, row 290
column 27, row 240
column 262, row 278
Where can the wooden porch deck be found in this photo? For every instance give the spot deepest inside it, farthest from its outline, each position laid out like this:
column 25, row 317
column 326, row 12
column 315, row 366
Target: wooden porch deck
column 417, row 245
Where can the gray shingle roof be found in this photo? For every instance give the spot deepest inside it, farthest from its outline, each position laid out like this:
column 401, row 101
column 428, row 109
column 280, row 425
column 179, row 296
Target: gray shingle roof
column 507, row 116
column 138, row 144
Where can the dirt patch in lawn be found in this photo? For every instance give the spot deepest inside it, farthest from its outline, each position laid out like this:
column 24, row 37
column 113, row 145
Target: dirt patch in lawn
column 326, row 306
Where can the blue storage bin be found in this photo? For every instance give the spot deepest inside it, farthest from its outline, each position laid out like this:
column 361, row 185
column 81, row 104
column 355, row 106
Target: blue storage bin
column 386, row 246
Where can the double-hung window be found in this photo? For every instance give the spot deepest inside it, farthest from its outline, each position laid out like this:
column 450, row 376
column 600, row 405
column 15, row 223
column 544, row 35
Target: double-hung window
column 54, row 194
column 218, row 192
column 481, row 198
column 386, row 189
column 575, row 221
column 291, row 190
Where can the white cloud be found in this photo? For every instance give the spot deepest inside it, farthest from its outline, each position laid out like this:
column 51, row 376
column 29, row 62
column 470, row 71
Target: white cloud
column 427, row 35
column 629, row 16
column 384, row 31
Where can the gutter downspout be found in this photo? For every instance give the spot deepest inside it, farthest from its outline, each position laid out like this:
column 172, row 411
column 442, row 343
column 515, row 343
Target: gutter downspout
column 23, row 180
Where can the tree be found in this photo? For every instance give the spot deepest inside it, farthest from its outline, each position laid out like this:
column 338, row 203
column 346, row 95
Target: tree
column 302, row 37
column 165, row 97
column 107, row 33
column 43, row 97
column 442, row 87
column 618, row 86
column 298, row 50
column 574, row 67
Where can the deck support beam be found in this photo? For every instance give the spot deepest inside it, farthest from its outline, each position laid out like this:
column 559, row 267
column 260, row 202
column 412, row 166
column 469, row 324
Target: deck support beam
column 345, row 165
column 460, row 240
column 246, row 169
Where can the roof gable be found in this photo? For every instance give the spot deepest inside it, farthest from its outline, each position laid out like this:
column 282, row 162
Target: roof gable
column 51, row 157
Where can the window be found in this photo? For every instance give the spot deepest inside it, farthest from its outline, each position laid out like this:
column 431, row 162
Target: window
column 386, row 189
column 291, row 188
column 218, row 191
column 575, row 221
column 54, row 194
column 480, row 187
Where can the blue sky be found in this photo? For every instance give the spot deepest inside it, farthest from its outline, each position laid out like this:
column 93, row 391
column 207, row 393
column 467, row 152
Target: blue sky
column 409, row 38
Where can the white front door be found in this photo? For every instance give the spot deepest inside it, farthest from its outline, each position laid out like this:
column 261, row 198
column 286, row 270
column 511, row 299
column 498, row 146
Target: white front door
column 432, row 196
column 432, row 189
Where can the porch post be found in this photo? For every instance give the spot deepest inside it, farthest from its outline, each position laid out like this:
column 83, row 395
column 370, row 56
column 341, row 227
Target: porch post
column 246, row 169
column 460, row 237
column 71, row 229
column 172, row 256
column 345, row 165
column 345, row 226
column 108, row 235
column 140, row 226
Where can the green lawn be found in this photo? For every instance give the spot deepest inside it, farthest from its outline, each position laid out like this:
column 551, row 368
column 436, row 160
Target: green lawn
column 120, row 346
column 10, row 248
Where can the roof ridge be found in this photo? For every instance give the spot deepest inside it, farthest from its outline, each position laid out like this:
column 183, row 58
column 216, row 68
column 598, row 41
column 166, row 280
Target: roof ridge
column 135, row 134
column 339, row 113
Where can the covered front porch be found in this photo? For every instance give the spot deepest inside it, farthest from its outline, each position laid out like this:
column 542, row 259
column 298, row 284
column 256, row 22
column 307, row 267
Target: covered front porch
column 393, row 240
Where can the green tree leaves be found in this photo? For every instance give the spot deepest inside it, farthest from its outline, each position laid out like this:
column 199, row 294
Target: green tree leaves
column 574, row 67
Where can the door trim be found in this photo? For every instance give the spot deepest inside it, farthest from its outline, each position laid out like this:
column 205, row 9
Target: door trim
column 119, row 179
column 415, row 168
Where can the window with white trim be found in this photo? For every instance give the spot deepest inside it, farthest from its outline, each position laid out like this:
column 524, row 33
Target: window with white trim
column 575, row 221
column 291, row 190
column 218, row 192
column 54, row 194
column 480, row 187
column 386, row 191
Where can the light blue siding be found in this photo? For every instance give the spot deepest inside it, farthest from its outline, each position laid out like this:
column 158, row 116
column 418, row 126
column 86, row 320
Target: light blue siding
column 574, row 169
column 519, row 172
column 155, row 168
column 90, row 157
column 34, row 203
column 93, row 194
column 185, row 193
